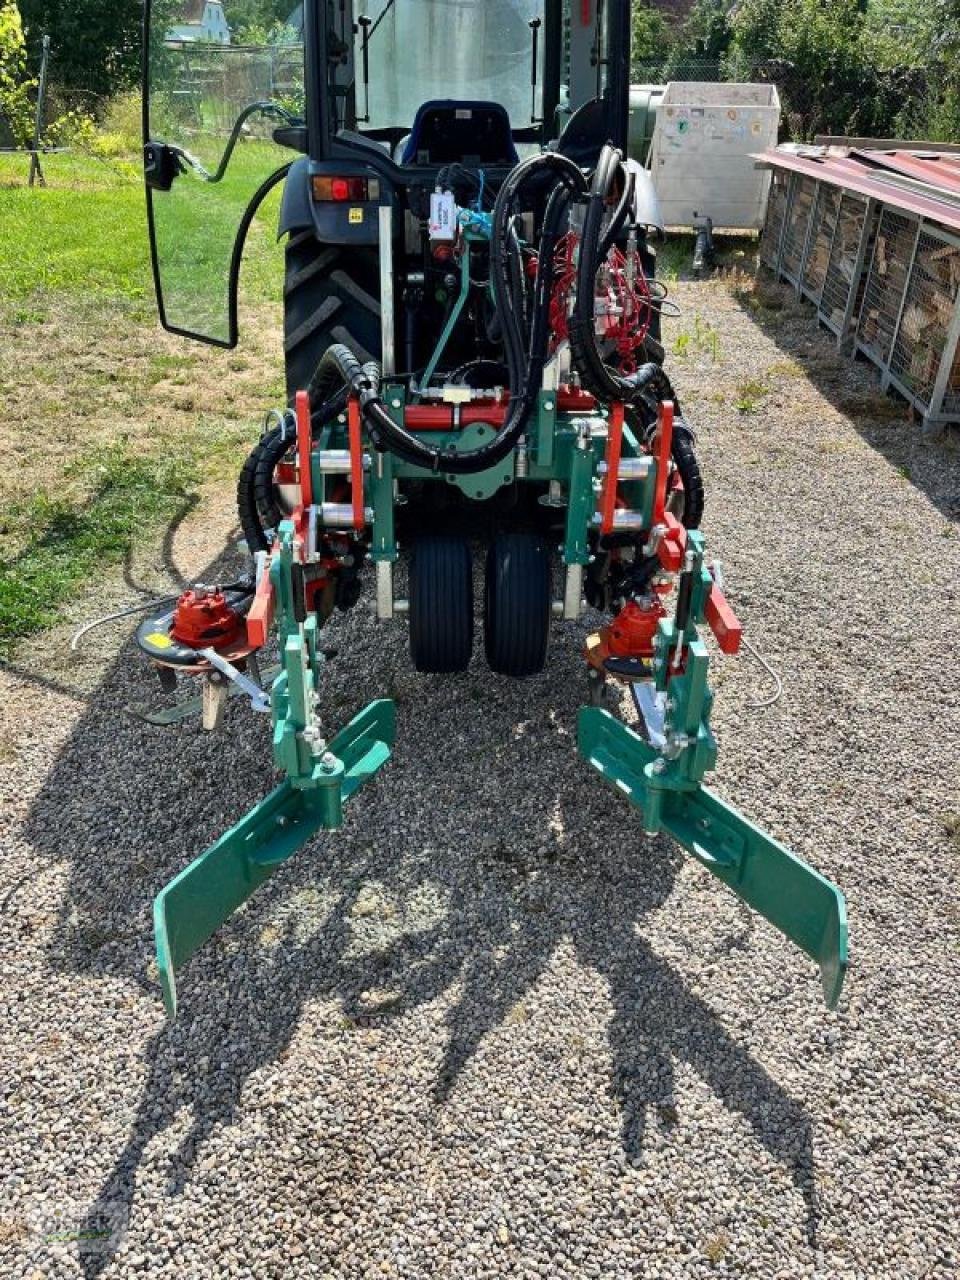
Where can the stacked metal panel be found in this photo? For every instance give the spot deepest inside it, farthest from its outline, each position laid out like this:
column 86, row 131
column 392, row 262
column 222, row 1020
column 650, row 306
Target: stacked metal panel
column 875, row 245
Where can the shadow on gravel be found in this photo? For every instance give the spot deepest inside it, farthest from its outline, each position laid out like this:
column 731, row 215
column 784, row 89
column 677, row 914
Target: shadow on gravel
column 531, row 861
column 929, row 459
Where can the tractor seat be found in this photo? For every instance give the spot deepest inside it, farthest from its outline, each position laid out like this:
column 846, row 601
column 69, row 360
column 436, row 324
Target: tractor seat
column 474, row 133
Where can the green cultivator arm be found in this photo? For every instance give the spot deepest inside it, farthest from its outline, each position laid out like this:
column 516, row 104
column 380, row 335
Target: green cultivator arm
column 662, row 776
column 321, row 777
column 798, row 901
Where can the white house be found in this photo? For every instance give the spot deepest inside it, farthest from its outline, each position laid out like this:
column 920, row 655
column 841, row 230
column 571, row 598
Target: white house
column 202, row 20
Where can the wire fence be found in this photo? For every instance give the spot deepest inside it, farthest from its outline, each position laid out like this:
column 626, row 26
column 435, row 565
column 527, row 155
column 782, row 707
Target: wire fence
column 207, row 86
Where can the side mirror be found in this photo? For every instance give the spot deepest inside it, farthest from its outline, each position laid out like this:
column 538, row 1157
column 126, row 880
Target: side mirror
column 161, row 164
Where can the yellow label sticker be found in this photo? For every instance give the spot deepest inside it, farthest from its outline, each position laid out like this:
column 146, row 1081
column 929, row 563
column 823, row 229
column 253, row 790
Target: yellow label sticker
column 157, row 640
column 356, row 217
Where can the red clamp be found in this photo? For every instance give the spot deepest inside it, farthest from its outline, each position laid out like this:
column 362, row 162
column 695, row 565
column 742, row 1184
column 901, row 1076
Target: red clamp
column 672, row 547
column 608, row 500
column 260, row 615
column 723, row 622
column 304, row 444
column 356, row 462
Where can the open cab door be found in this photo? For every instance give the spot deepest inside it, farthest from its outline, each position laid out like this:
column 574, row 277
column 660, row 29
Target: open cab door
column 211, row 111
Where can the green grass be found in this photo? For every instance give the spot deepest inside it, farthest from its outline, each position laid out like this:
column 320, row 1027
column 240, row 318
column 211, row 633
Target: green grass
column 110, row 500
column 750, row 394
column 86, row 231
column 76, row 283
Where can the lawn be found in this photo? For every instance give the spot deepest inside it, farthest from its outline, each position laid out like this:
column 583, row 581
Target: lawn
column 110, row 423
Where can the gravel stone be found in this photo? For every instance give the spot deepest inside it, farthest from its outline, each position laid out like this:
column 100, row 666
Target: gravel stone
column 489, row 1028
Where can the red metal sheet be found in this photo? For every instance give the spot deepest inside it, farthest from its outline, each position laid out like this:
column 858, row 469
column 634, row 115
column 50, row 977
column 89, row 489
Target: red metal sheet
column 938, row 171
column 847, row 171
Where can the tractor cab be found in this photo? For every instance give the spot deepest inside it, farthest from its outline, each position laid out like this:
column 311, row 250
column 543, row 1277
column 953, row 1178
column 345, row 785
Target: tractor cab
column 376, row 95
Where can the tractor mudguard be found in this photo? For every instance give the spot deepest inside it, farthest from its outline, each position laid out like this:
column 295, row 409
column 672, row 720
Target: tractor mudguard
column 333, row 222
column 797, row 900
column 296, row 213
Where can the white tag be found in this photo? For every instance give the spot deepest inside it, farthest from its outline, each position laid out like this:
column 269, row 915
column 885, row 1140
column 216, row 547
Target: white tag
column 443, row 216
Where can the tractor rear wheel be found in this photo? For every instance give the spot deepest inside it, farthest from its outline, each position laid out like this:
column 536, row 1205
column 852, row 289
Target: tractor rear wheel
column 441, row 605
column 517, row 604
column 331, row 294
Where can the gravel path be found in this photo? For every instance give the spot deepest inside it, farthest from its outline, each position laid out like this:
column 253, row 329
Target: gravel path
column 490, row 1029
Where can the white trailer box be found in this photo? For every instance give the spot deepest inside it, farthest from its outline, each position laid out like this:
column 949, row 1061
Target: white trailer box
column 700, row 158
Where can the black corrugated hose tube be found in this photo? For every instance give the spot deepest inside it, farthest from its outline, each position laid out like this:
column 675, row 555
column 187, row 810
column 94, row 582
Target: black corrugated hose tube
column 256, row 502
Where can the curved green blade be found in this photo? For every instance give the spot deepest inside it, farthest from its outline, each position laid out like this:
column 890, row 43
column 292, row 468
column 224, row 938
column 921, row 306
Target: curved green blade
column 784, row 889
column 205, row 894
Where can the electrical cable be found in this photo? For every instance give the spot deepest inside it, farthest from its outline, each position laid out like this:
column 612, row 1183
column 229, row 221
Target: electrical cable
column 115, row 617
column 777, row 679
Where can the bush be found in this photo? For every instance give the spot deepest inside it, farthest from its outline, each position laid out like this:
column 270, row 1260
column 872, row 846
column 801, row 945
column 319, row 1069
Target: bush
column 15, row 88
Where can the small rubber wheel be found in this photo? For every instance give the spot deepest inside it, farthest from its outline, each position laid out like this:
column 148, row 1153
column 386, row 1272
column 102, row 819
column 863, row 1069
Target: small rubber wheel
column 517, row 604
column 441, row 605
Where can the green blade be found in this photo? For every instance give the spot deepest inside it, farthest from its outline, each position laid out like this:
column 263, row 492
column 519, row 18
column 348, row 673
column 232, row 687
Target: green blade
column 205, row 894
column 797, row 900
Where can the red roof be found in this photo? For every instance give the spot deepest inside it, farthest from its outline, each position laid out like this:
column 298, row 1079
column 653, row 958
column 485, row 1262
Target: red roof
column 921, row 182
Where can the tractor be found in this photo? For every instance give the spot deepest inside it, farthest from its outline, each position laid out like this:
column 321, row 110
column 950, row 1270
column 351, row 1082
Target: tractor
column 474, row 371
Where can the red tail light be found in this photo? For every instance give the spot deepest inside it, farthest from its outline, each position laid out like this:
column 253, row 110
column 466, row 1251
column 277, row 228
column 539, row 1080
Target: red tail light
column 346, row 190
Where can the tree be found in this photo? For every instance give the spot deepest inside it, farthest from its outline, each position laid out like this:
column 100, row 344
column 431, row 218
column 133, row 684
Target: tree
column 253, row 21
column 649, row 33
column 15, row 88
column 96, row 43
column 816, row 55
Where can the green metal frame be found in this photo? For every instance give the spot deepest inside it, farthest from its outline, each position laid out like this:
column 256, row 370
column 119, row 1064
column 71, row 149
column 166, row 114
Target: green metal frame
column 666, row 785
column 321, row 778
column 664, row 782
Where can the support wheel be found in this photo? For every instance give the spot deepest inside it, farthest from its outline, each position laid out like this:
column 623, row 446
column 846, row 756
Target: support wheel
column 441, row 605
column 517, row 604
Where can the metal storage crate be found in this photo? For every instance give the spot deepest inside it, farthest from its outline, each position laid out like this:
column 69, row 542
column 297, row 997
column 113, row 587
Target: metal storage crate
column 823, row 224
column 797, row 227
column 841, row 296
column 923, row 364
column 883, row 297
column 771, row 238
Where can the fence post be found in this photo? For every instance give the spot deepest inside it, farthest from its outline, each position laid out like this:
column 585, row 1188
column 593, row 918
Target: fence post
column 35, row 169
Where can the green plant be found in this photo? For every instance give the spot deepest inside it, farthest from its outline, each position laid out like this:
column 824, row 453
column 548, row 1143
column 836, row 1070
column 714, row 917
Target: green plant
column 15, row 88
column 749, row 395
column 716, row 1248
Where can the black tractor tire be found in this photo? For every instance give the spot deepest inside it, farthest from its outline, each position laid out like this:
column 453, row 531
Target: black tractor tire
column 441, row 605
column 685, row 460
column 331, row 294
column 518, row 604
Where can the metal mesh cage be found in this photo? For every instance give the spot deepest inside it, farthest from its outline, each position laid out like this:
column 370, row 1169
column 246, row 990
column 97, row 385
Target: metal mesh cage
column 951, row 395
column 928, row 308
column 823, row 227
column 842, row 273
column 773, row 225
column 798, row 222
column 886, row 283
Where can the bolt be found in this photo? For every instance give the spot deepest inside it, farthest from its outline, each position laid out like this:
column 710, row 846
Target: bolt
column 329, row 762
column 659, row 765
column 396, row 403
column 548, row 406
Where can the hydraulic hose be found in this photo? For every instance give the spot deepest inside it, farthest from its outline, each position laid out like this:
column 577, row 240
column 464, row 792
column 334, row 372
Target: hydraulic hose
column 649, row 384
column 256, row 505
column 387, row 434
